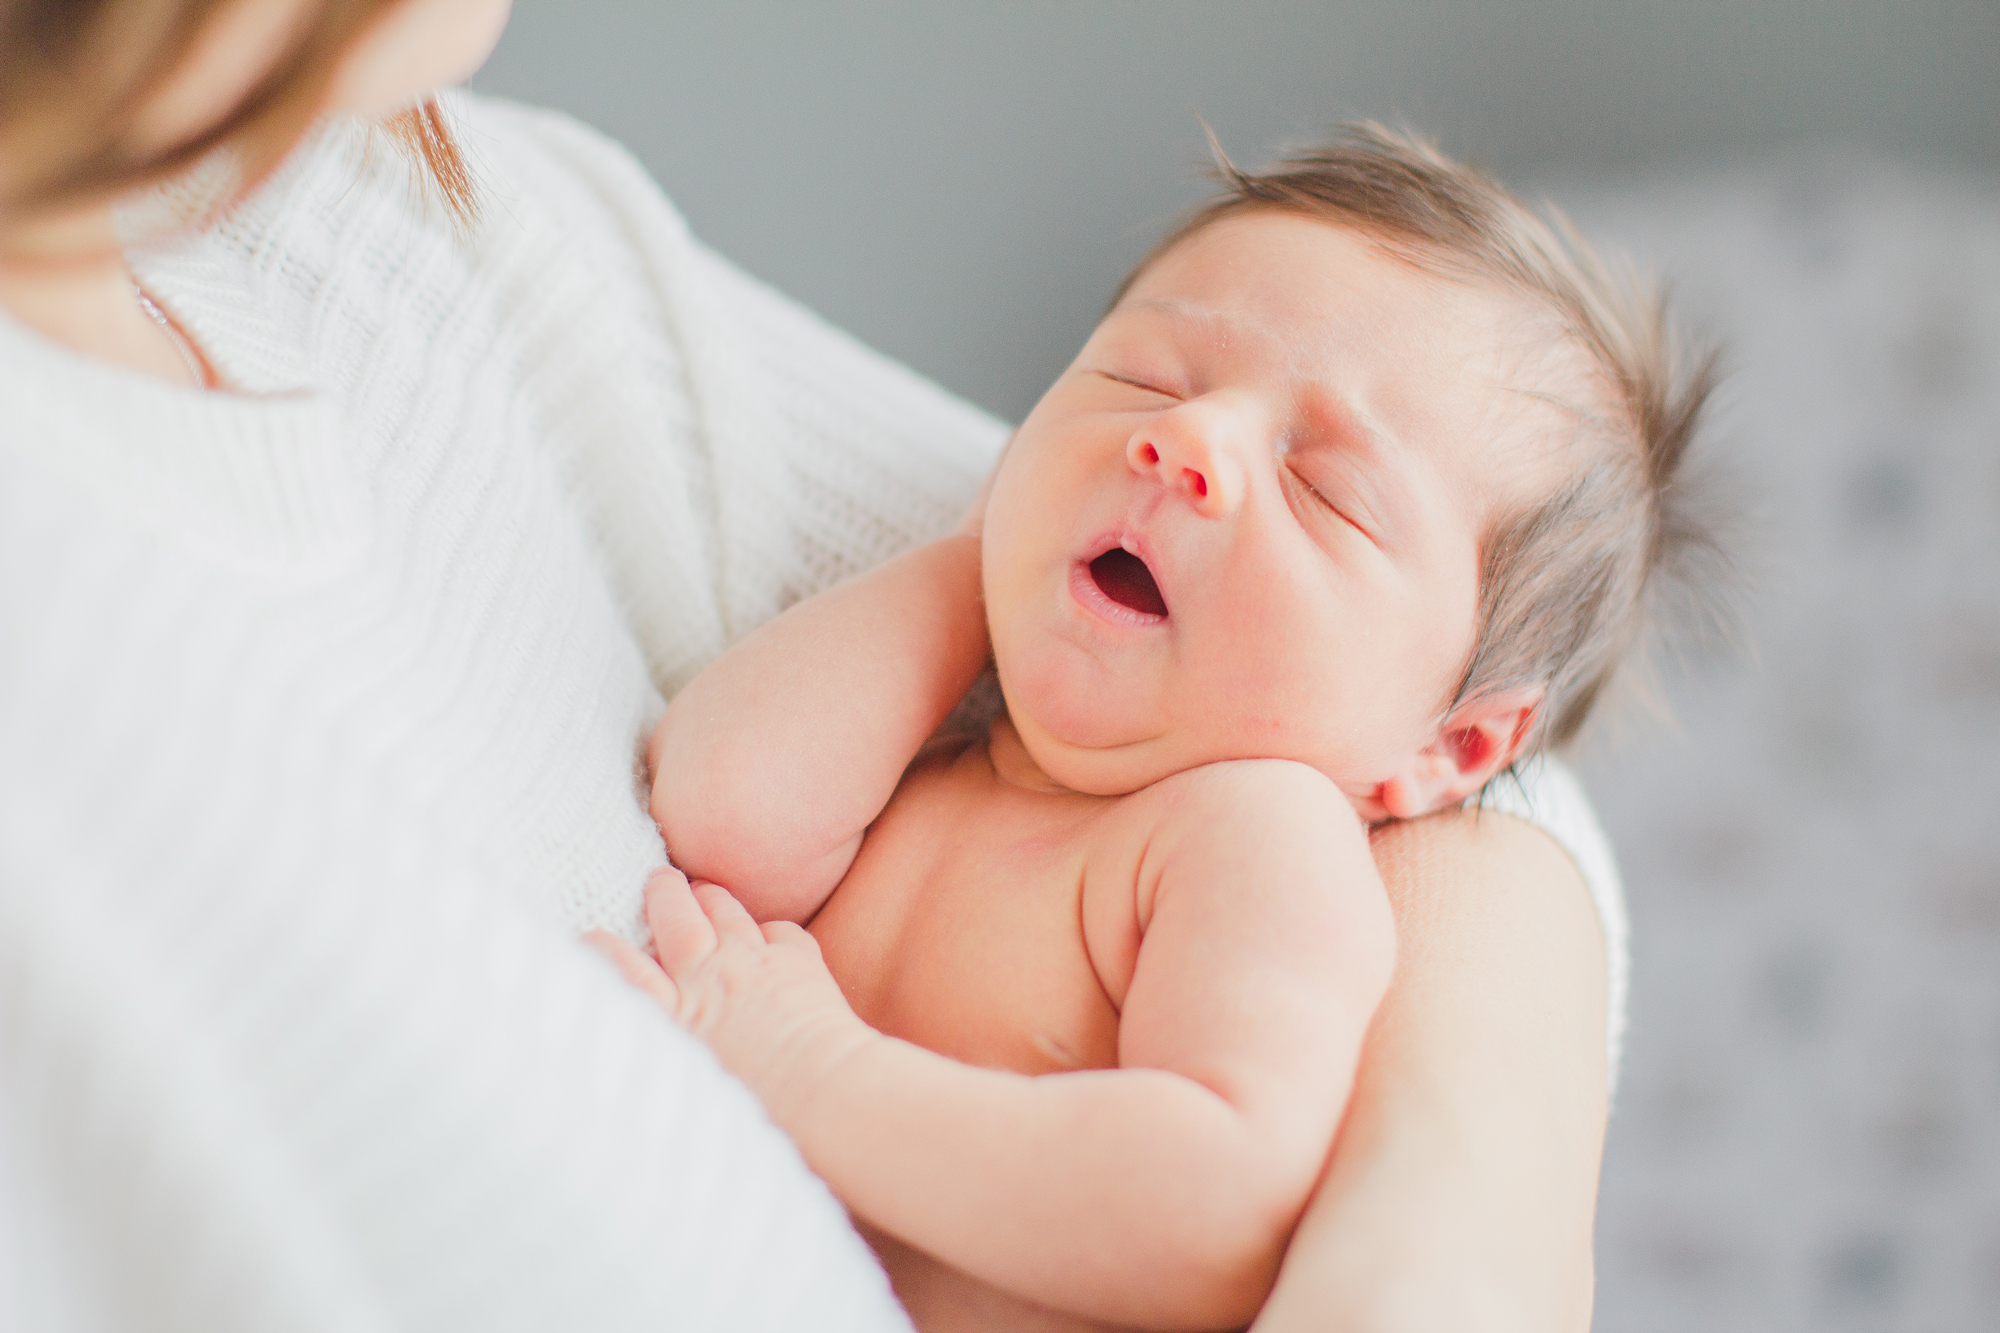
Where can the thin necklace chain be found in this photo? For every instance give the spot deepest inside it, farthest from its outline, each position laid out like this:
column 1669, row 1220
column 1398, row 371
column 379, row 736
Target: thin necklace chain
column 174, row 335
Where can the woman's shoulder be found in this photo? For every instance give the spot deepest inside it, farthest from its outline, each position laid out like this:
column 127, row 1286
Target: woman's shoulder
column 349, row 233
column 526, row 162
column 546, row 146
column 533, row 162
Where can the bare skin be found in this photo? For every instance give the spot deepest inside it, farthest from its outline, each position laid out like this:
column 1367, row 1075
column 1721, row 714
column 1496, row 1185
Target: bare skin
column 1472, row 1155
column 1103, row 978
column 1015, row 942
column 1460, row 1194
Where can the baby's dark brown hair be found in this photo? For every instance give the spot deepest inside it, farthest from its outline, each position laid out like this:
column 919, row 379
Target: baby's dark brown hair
column 1568, row 581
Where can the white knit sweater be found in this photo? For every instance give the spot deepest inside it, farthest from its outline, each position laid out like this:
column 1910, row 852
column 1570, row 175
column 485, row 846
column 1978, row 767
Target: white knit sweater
column 318, row 711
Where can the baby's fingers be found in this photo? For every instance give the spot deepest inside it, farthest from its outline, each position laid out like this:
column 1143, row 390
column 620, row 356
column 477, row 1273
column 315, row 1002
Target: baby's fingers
column 731, row 919
column 790, row 933
column 638, row 969
column 682, row 935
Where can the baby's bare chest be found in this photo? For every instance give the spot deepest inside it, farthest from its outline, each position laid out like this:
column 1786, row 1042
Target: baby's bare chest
column 986, row 924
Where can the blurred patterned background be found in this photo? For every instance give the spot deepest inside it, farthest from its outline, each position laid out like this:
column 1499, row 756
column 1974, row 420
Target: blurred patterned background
column 1808, row 1133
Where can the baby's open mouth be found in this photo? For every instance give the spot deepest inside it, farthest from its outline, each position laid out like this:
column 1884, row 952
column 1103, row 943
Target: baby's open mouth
column 1124, row 578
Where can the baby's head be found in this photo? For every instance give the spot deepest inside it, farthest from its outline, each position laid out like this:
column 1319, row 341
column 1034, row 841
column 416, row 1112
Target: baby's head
column 1367, row 467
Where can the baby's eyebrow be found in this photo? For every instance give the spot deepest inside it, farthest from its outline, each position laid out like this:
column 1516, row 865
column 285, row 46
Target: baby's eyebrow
column 1334, row 416
column 1205, row 320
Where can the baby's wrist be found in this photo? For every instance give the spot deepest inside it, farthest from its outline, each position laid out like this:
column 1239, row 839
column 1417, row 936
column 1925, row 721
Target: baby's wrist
column 805, row 1077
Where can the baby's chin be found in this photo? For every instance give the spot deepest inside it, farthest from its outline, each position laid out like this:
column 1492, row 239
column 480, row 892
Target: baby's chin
column 1102, row 772
column 1119, row 769
column 1075, row 698
column 1114, row 768
column 1114, row 742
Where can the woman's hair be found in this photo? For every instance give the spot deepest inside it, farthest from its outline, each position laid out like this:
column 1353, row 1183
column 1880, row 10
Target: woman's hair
column 74, row 75
column 1569, row 582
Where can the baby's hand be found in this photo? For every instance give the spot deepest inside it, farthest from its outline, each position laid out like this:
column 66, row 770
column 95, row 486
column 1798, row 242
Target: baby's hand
column 760, row 996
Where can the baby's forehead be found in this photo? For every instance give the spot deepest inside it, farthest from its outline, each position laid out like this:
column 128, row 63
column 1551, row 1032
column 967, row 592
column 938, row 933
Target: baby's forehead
column 1300, row 288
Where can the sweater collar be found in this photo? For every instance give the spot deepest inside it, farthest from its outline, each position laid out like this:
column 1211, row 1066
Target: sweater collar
column 247, row 478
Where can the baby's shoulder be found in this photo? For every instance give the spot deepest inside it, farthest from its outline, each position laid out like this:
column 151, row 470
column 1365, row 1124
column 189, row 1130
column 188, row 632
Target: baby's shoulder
column 1238, row 854
column 1240, row 813
column 1244, row 798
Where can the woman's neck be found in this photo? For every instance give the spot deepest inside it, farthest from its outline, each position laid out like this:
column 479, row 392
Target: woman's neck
column 65, row 276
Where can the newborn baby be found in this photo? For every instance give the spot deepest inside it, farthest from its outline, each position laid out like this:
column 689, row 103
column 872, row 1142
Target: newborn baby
column 1349, row 503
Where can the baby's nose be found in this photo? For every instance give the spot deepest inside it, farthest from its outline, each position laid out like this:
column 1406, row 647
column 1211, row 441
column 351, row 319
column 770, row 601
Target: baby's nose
column 1191, row 481
column 1189, row 462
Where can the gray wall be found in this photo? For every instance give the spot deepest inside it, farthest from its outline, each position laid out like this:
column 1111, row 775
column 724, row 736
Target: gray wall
column 962, row 183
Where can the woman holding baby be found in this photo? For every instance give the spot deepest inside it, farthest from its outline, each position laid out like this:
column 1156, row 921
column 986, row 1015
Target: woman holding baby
column 354, row 529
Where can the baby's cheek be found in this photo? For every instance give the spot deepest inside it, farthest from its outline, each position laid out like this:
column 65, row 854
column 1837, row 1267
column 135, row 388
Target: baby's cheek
column 1320, row 693
column 1258, row 700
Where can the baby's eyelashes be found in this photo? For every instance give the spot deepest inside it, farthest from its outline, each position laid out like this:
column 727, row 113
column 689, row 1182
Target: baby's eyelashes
column 1142, row 385
column 1344, row 512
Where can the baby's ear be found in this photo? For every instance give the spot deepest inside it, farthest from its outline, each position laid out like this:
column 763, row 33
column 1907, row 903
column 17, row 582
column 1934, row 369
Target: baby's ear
column 1479, row 739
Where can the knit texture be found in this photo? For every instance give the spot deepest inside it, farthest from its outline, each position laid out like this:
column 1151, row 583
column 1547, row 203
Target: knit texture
column 319, row 707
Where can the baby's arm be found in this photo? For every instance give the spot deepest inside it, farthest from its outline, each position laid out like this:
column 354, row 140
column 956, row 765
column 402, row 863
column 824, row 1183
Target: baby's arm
column 771, row 763
column 1160, row 1193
